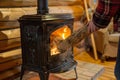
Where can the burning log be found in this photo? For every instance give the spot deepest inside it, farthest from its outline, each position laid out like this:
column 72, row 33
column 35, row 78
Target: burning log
column 73, row 39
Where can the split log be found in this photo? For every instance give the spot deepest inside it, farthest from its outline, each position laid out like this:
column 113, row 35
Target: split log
column 73, row 39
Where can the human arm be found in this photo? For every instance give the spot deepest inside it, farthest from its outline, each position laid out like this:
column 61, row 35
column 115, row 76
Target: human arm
column 105, row 10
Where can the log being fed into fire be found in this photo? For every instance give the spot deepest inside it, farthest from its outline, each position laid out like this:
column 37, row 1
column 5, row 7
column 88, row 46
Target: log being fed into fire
column 73, row 39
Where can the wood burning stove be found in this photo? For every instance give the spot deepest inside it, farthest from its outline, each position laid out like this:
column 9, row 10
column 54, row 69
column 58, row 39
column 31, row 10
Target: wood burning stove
column 40, row 35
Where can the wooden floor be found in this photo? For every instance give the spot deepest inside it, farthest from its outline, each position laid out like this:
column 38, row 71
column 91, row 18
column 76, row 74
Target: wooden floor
column 82, row 55
column 108, row 74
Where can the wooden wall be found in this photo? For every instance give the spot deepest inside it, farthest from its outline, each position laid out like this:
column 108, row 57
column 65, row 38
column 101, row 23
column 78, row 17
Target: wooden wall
column 17, row 3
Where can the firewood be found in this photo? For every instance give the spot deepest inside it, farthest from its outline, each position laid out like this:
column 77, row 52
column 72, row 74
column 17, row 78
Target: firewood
column 73, row 39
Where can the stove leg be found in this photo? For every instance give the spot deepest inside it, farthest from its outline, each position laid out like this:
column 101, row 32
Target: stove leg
column 44, row 76
column 76, row 73
column 22, row 73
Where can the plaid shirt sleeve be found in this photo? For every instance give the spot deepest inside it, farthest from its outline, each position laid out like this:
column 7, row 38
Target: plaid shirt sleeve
column 105, row 10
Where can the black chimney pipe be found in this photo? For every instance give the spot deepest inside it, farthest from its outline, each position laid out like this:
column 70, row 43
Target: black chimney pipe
column 42, row 6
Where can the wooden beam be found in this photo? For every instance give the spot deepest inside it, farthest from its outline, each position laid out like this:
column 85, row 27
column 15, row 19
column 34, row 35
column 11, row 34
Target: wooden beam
column 10, row 64
column 17, row 3
column 3, row 60
column 10, row 53
column 12, row 14
column 8, row 25
column 6, row 45
column 9, row 34
column 9, row 73
column 23, row 3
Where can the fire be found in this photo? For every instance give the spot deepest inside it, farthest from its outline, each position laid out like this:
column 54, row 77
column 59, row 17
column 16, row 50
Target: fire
column 54, row 51
column 56, row 37
column 64, row 32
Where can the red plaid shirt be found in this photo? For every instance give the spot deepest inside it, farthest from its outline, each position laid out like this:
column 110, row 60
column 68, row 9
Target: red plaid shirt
column 105, row 10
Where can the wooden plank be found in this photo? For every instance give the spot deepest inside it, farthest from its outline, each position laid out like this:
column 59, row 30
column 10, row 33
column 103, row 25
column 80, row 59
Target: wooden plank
column 10, row 53
column 9, row 73
column 10, row 64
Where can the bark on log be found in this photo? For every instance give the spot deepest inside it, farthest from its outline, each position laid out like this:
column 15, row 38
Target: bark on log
column 75, row 38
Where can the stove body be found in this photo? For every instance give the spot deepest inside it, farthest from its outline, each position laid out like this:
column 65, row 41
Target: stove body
column 35, row 42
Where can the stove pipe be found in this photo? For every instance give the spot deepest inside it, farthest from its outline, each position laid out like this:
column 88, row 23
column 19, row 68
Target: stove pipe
column 42, row 6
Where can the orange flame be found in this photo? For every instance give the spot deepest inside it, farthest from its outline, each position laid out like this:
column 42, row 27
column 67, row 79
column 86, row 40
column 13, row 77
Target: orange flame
column 62, row 34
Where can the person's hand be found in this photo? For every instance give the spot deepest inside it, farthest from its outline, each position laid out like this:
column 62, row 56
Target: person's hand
column 92, row 27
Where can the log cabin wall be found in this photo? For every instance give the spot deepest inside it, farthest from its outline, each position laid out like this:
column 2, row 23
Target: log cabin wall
column 10, row 11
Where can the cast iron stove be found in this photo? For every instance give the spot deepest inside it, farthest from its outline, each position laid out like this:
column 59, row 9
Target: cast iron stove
column 37, row 39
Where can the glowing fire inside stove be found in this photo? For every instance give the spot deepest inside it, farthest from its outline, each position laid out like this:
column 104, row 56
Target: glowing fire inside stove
column 57, row 36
